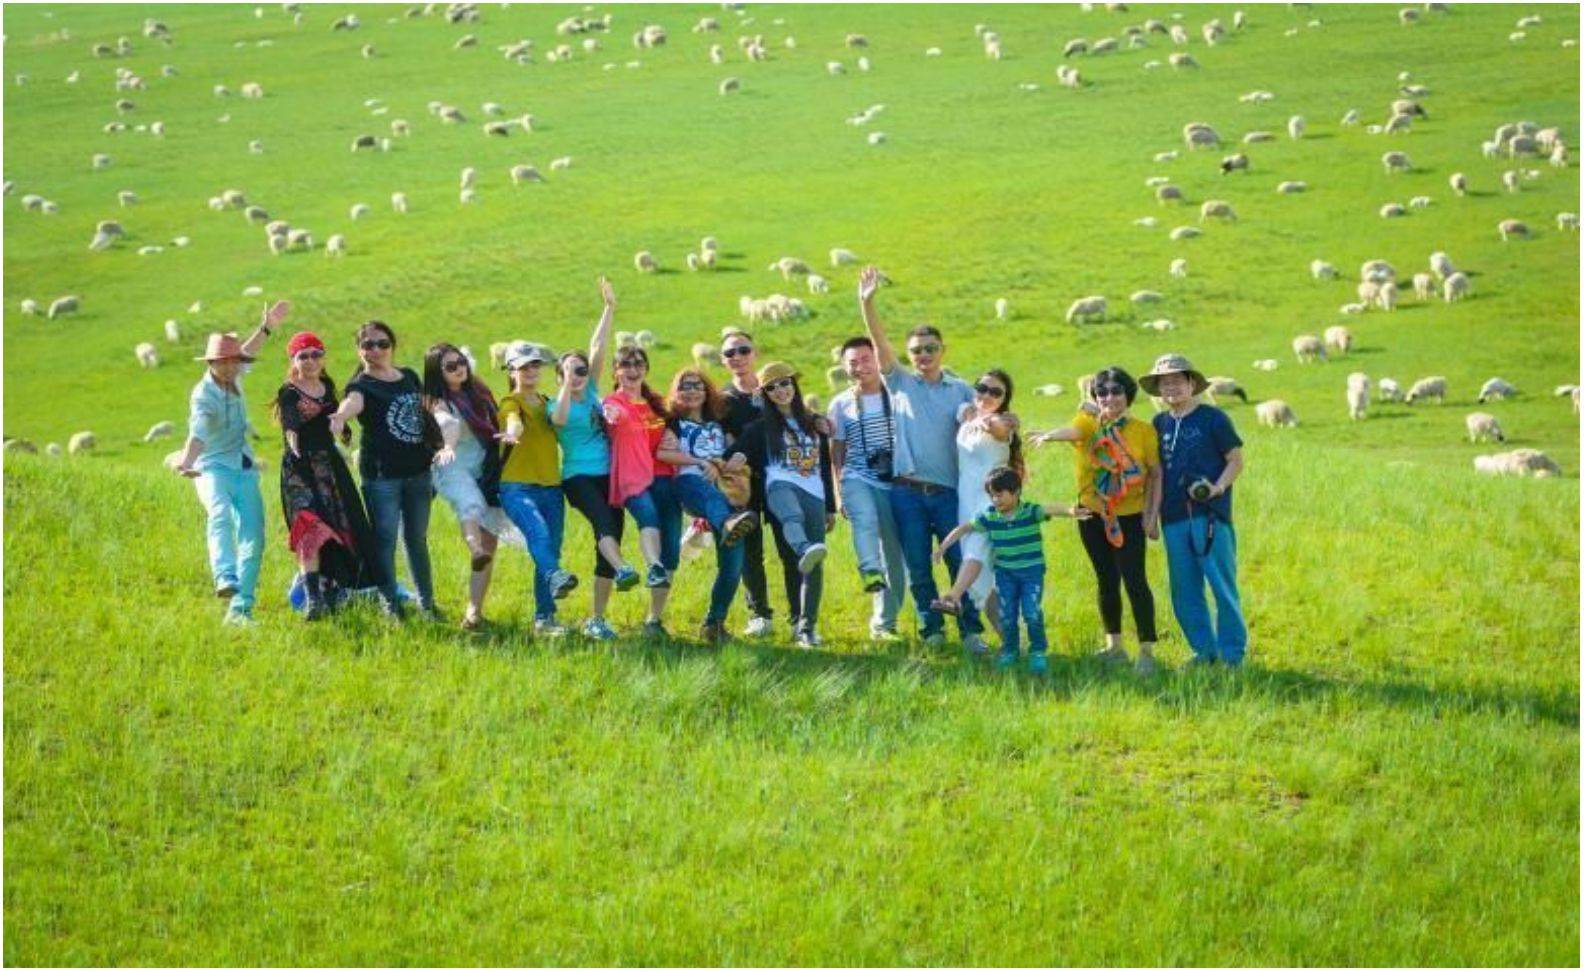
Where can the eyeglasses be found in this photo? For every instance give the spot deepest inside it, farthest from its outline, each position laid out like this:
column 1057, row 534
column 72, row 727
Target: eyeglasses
column 741, row 350
column 309, row 355
column 375, row 344
column 989, row 391
column 691, row 386
column 776, row 386
column 455, row 364
column 1103, row 391
column 924, row 349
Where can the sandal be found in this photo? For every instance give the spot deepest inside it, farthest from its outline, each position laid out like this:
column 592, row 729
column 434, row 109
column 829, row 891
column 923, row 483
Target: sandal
column 944, row 606
column 472, row 622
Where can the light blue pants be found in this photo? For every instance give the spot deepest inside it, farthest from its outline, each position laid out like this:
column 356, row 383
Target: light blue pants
column 236, row 530
column 1191, row 566
column 540, row 513
column 875, row 541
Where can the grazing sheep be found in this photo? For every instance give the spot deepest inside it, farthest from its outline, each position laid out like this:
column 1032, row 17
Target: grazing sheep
column 818, row 284
column 1186, row 233
column 525, row 173
column 1141, row 297
column 644, row 261
column 1395, row 124
column 335, row 246
column 729, row 85
column 1368, row 292
column 1495, row 389
column 561, row 163
column 1321, row 270
column 1427, row 388
column 1290, row 187
column 1519, row 462
column 100, row 161
column 1358, row 389
column 1296, row 127
column 1222, row 387
column 1392, row 211
column 359, row 210
column 1351, row 118
column 252, row 89
column 787, row 266
column 364, row 142
column 1160, row 325
column 1180, row 59
column 399, row 202
column 840, row 257
column 877, row 138
column 1276, row 413
column 1179, row 268
column 62, row 306
column 1339, row 338
column 692, row 261
column 1509, row 228
column 1387, row 390
column 150, row 250
column 1308, row 348
column 172, row 331
column 1266, row 364
column 707, row 259
column 1353, row 308
column 1217, row 209
column 1483, row 426
column 1085, row 309
column 1166, row 192
column 81, row 443
column 1253, row 138
column 1419, row 202
column 146, row 355
column 159, row 430
column 1386, row 296
column 467, row 197
column 1456, row 287
column 278, row 243
column 1459, row 183
column 1235, row 163
column 1424, row 286
column 1441, row 265
column 1509, row 180
column 1567, row 221
column 1200, row 135
column 1559, row 156
column 1396, row 162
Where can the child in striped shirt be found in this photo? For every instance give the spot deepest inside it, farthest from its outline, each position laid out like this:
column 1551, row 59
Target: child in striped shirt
column 1013, row 529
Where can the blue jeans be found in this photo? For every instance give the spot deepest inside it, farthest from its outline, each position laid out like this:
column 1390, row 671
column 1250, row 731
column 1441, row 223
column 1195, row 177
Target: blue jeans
column 874, row 536
column 540, row 513
column 235, row 530
column 1020, row 592
column 700, row 497
column 657, row 508
column 1191, row 566
column 920, row 521
column 401, row 505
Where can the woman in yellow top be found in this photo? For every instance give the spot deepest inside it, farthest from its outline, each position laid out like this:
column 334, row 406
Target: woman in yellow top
column 530, row 489
column 1117, row 461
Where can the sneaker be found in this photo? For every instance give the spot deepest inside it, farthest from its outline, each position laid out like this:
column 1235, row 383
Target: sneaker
column 941, row 605
column 1037, row 663
column 626, row 578
column 1007, row 658
column 812, row 557
column 975, row 644
column 393, row 610
column 239, row 619
column 936, row 640
column 712, row 632
column 654, row 629
column 807, row 640
column 873, row 581
column 884, row 636
column 739, row 525
column 759, row 628
column 472, row 622
column 562, row 583
column 1145, row 666
column 430, row 613
column 1112, row 656
column 226, row 590
column 599, row 629
column 549, row 628
column 658, row 576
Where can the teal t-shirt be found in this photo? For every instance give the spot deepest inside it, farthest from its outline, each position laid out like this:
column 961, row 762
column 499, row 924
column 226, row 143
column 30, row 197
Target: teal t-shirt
column 584, row 449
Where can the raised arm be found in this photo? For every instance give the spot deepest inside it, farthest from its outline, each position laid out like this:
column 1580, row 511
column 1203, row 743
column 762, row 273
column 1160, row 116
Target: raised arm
column 272, row 317
column 599, row 344
column 868, row 283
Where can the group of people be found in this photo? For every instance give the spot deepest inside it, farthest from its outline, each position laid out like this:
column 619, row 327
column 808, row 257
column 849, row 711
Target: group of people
column 924, row 466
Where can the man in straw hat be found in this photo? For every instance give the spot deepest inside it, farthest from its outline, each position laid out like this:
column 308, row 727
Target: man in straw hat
column 1201, row 456
column 218, row 456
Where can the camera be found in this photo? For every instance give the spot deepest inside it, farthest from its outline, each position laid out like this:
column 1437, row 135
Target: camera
column 1200, row 490
column 880, row 463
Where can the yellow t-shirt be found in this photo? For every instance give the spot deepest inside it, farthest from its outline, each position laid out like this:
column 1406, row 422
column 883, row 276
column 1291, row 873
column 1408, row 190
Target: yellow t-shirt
column 1139, row 437
column 536, row 458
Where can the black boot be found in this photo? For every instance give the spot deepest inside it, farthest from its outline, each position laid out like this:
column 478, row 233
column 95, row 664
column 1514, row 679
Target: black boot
column 313, row 591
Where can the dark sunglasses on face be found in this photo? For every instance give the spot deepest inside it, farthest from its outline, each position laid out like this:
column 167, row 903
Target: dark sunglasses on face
column 739, row 350
column 376, row 344
column 1102, row 391
column 581, row 371
column 309, row 355
column 691, row 386
column 455, row 364
column 990, row 391
column 776, row 386
column 924, row 349
column 630, row 363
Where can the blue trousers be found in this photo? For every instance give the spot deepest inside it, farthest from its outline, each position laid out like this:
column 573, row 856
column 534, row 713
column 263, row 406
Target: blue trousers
column 700, row 497
column 874, row 537
column 401, row 506
column 921, row 520
column 1020, row 592
column 1191, row 566
column 658, row 508
column 540, row 513
column 235, row 531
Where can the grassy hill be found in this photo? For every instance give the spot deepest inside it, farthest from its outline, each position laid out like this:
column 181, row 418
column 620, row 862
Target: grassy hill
column 1394, row 780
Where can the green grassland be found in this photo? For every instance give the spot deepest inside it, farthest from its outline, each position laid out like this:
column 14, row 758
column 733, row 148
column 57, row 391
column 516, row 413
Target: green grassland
column 1392, row 780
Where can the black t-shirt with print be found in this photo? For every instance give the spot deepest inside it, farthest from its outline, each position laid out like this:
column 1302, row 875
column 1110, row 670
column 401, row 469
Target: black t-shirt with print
column 392, row 442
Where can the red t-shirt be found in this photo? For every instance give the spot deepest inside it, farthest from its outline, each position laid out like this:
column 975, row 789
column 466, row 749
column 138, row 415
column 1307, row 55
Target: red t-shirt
column 635, row 433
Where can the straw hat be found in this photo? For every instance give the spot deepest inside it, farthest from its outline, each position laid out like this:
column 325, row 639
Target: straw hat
column 775, row 371
column 222, row 347
column 1172, row 364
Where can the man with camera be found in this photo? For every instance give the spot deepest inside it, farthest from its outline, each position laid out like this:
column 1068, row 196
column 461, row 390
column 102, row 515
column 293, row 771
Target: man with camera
column 1201, row 456
column 863, row 435
column 925, row 401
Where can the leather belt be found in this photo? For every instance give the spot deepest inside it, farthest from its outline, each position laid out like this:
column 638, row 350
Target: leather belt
column 928, row 489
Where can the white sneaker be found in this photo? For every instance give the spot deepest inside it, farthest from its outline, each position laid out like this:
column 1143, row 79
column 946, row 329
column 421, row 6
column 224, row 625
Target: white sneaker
column 549, row 629
column 812, row 557
column 759, row 628
column 1112, row 656
column 808, row 639
column 975, row 644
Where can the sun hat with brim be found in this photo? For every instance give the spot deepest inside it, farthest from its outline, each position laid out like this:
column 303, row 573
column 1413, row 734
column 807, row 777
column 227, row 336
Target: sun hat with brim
column 522, row 353
column 775, row 371
column 222, row 347
column 1172, row 364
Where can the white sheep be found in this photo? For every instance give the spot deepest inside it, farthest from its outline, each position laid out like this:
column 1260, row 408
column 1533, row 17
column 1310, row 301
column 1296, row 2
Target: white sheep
column 399, row 202
column 1387, row 390
column 1351, row 118
column 1186, row 233
column 1086, row 309
column 1459, row 183
column 692, row 261
column 1456, row 287
column 524, row 173
column 644, row 261
column 146, row 355
column 1222, row 387
column 877, row 138
column 1434, row 387
column 1163, row 193
column 1368, row 292
column 707, row 259
column 1483, row 426
column 1424, row 286
column 1291, row 186
column 359, row 210
column 1392, row 211
column 1160, row 325
column 728, row 85
column 1217, row 209
column 81, row 443
column 787, row 266
column 1179, row 268
column 1496, row 389
column 1567, row 221
column 1339, row 338
column 1509, row 228
column 160, row 430
column 172, row 331
column 1321, row 270
column 30, row 307
column 818, row 284
column 839, row 257
column 1308, row 348
column 467, row 196
column 1419, row 202
column 335, row 246
column 1296, row 127
column 1509, row 180
column 127, row 197
column 1559, row 155
column 1519, row 462
column 561, row 163
column 1358, row 389
column 1396, row 162
column 1386, row 296
column 1266, row 364
column 61, row 306
column 1441, row 265
column 1276, row 413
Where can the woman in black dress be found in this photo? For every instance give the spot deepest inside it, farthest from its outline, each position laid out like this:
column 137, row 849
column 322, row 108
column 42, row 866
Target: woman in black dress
column 326, row 526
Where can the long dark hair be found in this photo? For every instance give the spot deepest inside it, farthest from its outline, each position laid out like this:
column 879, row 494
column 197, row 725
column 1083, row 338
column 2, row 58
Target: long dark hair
column 714, row 405
column 357, row 342
column 775, row 422
column 434, row 383
column 1015, row 447
column 656, row 403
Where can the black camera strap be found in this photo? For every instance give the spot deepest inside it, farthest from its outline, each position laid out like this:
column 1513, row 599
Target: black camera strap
column 885, row 407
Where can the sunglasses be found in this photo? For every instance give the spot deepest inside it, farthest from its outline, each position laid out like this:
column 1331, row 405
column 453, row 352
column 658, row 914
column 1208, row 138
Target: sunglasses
column 529, row 364
column 741, row 350
column 691, row 386
column 924, row 349
column 776, row 386
column 375, row 344
column 1103, row 391
column 631, row 363
column 581, row 371
column 989, row 391
column 311, row 355
column 455, row 364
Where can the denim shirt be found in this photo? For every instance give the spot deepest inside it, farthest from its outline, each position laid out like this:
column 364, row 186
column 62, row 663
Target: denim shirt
column 219, row 419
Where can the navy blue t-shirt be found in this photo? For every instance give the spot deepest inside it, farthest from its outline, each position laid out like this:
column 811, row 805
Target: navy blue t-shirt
column 1191, row 448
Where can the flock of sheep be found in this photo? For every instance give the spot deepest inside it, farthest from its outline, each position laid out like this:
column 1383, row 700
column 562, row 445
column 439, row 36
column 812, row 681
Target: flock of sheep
column 1377, row 289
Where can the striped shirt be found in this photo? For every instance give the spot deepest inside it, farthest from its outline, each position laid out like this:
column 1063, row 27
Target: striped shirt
column 1014, row 537
column 874, row 434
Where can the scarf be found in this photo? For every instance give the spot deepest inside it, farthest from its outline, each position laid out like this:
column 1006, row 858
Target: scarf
column 478, row 413
column 1116, row 473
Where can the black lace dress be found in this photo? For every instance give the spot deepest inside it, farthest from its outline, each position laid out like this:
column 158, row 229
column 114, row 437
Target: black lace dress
column 323, row 508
